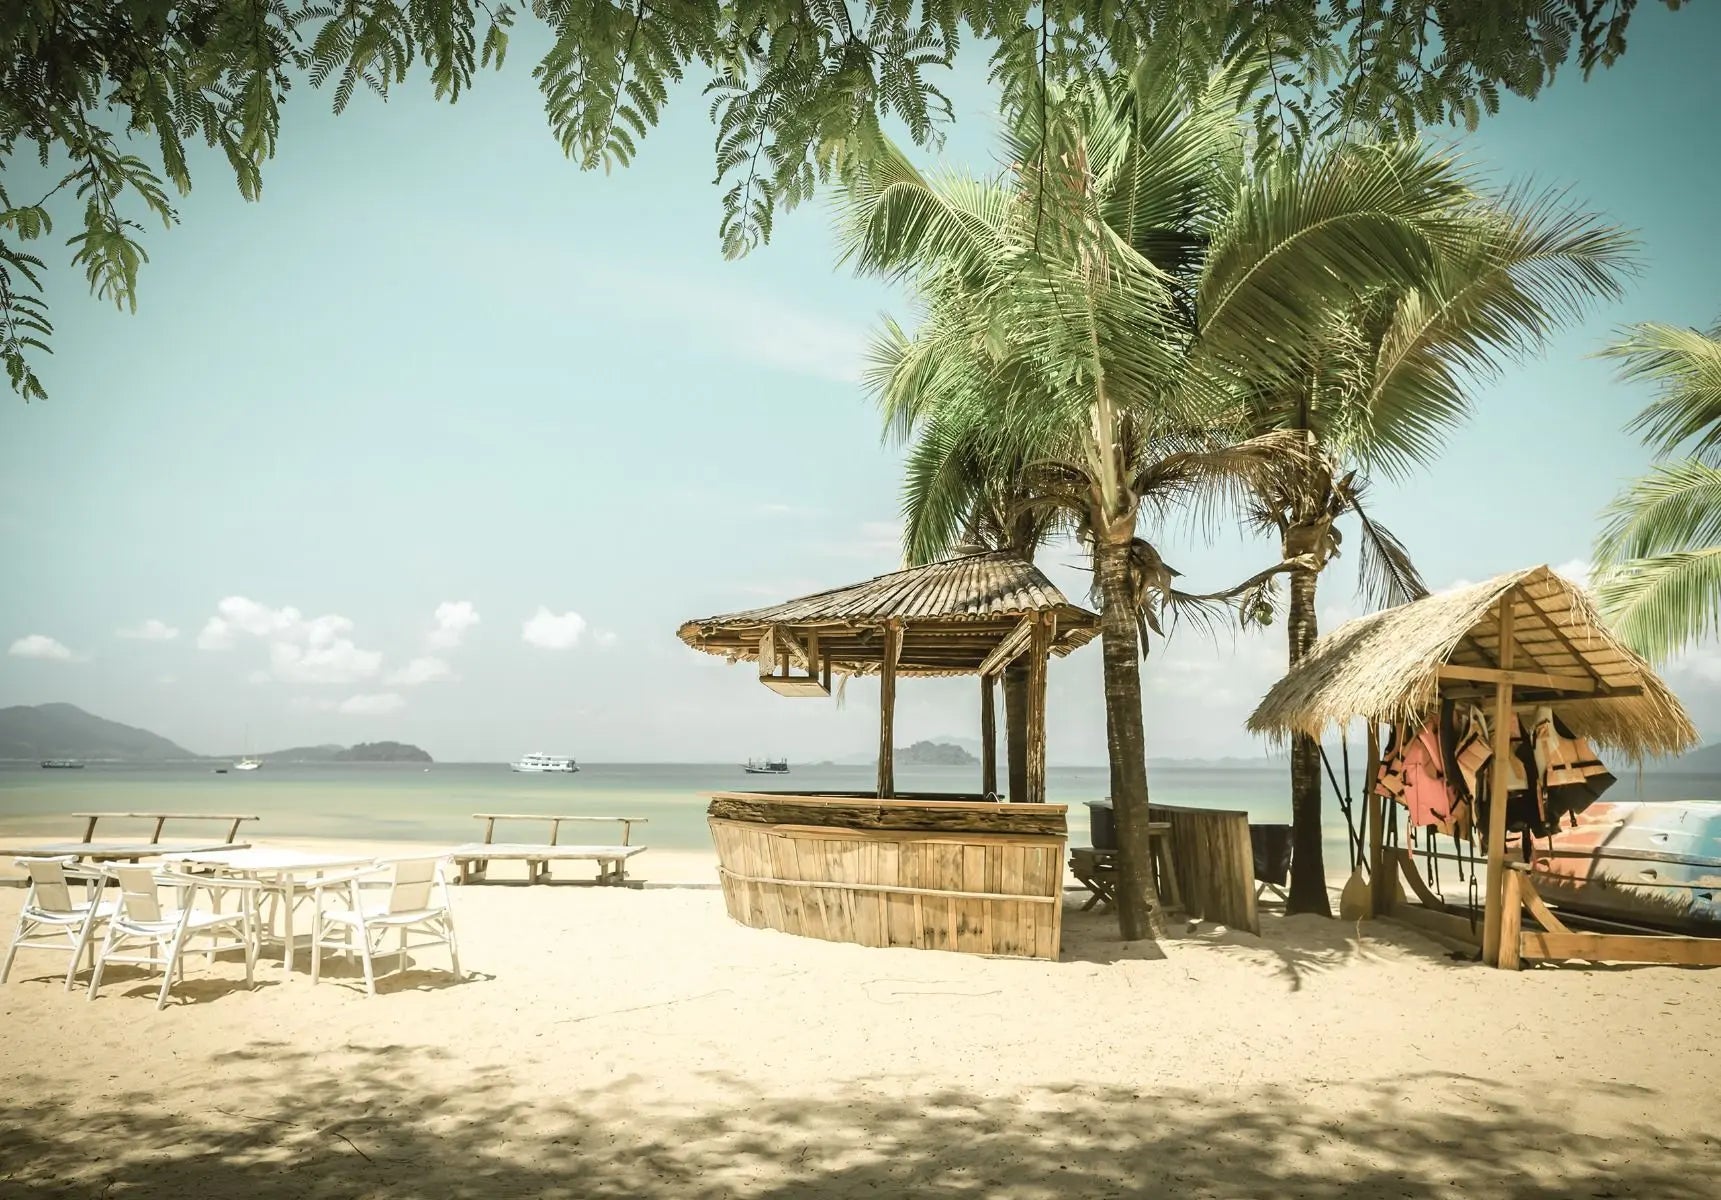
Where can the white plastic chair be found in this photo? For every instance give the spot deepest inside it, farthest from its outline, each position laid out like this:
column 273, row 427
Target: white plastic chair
column 417, row 899
column 51, row 918
column 167, row 929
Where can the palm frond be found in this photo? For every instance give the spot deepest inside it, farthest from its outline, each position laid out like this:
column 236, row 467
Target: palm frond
column 1661, row 604
column 1685, row 366
column 1676, row 507
column 1386, row 577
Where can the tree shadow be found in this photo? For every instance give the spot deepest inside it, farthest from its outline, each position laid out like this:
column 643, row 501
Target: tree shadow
column 392, row 1120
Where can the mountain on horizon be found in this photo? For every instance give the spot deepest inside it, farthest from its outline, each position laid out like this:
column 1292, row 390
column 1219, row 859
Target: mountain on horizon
column 67, row 731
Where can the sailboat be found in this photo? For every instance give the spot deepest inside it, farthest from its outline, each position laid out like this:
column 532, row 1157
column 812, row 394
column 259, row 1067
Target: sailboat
column 246, row 762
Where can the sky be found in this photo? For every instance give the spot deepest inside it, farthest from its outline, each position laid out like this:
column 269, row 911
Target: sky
column 442, row 439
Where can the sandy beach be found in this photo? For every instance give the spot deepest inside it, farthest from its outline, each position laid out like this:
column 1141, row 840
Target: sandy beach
column 613, row 1042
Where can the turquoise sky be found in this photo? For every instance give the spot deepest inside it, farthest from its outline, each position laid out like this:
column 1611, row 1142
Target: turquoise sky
column 437, row 364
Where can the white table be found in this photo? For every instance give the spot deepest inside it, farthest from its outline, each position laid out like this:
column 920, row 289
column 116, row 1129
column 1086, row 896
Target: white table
column 291, row 874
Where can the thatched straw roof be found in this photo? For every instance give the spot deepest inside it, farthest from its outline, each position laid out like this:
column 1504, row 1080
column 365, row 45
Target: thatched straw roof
column 1386, row 666
column 953, row 614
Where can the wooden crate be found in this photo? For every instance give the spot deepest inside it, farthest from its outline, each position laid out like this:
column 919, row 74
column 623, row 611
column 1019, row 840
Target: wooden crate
column 979, row 893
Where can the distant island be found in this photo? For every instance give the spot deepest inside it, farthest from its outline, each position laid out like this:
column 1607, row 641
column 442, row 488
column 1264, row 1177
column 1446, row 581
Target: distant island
column 67, row 731
column 935, row 754
column 365, row 752
column 41, row 731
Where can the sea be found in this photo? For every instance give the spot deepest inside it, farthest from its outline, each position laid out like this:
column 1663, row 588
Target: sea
column 411, row 802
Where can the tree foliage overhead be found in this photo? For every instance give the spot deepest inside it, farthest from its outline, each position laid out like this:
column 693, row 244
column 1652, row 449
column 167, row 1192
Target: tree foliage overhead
column 1659, row 551
column 109, row 92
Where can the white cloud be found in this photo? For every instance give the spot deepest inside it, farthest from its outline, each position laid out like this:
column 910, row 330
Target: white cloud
column 314, row 650
column 333, row 661
column 1580, row 571
column 373, row 704
column 151, row 630
column 427, row 669
column 551, row 632
column 451, row 621
column 40, row 645
column 605, row 638
column 236, row 615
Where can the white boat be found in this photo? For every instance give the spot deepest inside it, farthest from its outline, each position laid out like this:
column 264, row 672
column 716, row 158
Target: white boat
column 247, row 764
column 539, row 764
column 771, row 766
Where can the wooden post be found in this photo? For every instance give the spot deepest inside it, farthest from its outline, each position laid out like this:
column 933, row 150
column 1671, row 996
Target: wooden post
column 1511, row 921
column 1501, row 780
column 988, row 738
column 1379, row 890
column 887, row 711
column 90, row 827
column 1038, row 655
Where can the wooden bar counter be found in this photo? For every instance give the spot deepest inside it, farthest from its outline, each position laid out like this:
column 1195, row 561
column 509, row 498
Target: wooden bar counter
column 954, row 873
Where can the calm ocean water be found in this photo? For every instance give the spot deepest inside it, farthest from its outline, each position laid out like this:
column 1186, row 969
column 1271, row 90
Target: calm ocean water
column 387, row 802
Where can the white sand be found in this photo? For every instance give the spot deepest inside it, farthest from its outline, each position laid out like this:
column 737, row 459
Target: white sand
column 638, row 1043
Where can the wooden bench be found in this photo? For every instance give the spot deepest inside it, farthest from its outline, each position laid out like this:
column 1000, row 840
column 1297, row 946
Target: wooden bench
column 160, row 820
column 475, row 857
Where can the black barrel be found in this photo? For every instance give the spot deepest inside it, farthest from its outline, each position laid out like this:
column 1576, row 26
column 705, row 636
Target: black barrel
column 1102, row 824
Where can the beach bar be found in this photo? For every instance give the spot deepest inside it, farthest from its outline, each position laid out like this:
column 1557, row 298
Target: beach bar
column 977, row 872
column 1518, row 644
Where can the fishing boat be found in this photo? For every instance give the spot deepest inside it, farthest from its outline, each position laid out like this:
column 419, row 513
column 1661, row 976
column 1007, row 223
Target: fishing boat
column 1654, row 864
column 769, row 766
column 544, row 764
column 62, row 764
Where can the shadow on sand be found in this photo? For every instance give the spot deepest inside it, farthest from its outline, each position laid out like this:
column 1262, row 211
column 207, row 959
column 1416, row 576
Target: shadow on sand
column 406, row 1121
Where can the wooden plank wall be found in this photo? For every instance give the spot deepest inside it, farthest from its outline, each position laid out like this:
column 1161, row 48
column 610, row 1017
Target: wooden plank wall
column 1215, row 867
column 977, row 893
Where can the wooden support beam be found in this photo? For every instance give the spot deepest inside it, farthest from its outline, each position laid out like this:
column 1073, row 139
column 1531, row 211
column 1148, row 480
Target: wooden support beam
column 1501, row 781
column 1560, row 636
column 1621, row 947
column 988, row 738
column 1559, row 683
column 1007, row 650
column 887, row 711
column 1039, row 653
column 1376, row 809
column 1511, row 922
column 768, row 653
column 1534, row 902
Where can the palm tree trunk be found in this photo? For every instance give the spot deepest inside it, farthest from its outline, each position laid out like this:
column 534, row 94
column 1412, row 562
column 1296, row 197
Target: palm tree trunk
column 1138, row 910
column 1308, row 892
column 1016, row 728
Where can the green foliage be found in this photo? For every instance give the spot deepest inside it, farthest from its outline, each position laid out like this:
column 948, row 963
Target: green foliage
column 1659, row 553
column 1096, row 320
column 1387, row 374
column 800, row 91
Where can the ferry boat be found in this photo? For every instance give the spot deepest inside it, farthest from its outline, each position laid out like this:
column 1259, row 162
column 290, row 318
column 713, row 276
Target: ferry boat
column 544, row 764
column 771, row 766
column 67, row 764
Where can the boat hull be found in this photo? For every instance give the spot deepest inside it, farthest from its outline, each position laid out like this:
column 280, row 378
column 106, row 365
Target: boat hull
column 1650, row 864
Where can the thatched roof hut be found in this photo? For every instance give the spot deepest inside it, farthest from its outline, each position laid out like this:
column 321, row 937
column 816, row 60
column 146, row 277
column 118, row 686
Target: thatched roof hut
column 1394, row 665
column 972, row 614
column 953, row 614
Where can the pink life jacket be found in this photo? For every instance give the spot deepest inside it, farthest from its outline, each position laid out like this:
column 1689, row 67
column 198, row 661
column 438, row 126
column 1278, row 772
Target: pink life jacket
column 1425, row 792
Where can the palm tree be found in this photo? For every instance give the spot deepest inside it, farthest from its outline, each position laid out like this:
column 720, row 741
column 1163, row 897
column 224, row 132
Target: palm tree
column 954, row 495
column 1383, row 381
column 1660, row 550
column 1104, row 303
